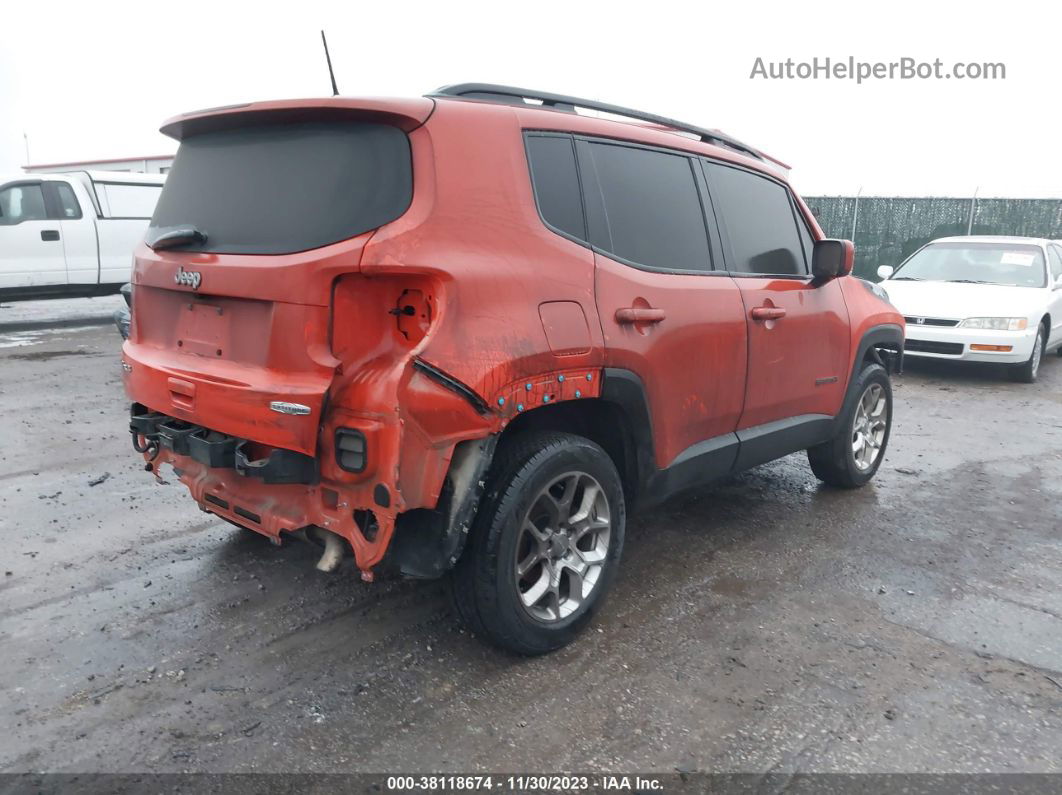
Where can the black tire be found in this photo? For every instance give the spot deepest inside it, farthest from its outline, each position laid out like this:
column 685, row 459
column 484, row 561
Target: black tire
column 484, row 583
column 1027, row 372
column 834, row 462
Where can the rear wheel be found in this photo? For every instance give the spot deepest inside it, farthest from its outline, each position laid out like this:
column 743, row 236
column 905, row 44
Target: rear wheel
column 852, row 457
column 545, row 545
column 1026, row 373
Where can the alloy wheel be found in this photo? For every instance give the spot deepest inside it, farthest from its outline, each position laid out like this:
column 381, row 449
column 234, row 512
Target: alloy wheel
column 869, row 426
column 1037, row 354
column 563, row 545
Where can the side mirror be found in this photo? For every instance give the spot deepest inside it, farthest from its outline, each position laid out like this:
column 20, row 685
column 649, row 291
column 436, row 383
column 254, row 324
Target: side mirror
column 832, row 258
column 885, row 271
column 1058, row 283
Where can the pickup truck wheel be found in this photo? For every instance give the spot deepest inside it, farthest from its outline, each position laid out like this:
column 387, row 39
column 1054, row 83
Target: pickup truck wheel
column 852, row 457
column 545, row 544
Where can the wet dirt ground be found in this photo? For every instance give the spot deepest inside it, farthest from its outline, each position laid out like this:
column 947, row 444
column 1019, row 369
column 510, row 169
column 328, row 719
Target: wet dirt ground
column 764, row 624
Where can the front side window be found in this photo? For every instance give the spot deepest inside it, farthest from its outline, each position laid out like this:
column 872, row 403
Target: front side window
column 807, row 242
column 1015, row 265
column 650, row 207
column 1054, row 259
column 758, row 217
column 20, row 203
column 556, row 183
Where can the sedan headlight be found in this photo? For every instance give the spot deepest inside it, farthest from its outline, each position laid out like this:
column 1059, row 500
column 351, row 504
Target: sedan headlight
column 997, row 323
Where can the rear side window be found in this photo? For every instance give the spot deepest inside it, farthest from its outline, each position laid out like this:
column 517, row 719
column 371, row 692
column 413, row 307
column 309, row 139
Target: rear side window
column 282, row 188
column 556, row 183
column 759, row 221
column 69, row 206
column 122, row 200
column 651, row 208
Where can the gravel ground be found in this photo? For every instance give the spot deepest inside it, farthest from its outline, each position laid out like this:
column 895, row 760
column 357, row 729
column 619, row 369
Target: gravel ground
column 766, row 624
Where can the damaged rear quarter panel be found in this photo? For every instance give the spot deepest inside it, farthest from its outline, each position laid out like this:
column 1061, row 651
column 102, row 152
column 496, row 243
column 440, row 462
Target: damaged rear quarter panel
column 474, row 228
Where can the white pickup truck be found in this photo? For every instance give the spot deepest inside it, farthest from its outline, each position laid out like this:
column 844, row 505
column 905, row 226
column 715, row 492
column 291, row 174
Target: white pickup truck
column 71, row 234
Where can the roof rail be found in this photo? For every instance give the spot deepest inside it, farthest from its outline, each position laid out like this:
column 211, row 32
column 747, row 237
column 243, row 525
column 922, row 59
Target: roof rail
column 517, row 96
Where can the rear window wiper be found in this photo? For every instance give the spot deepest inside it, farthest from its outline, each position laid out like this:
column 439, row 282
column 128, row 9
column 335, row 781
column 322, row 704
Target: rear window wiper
column 906, row 279
column 968, row 281
column 173, row 236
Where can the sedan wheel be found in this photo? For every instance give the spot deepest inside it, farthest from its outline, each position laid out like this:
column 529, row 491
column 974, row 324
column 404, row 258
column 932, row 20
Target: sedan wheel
column 1027, row 372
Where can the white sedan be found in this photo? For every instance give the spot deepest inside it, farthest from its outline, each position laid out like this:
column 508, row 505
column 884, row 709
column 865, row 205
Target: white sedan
column 981, row 299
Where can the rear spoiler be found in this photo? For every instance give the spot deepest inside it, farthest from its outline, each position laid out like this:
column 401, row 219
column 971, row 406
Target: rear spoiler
column 406, row 114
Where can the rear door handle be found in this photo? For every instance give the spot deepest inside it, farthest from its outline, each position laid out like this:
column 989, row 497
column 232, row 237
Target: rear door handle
column 49, row 234
column 639, row 314
column 768, row 312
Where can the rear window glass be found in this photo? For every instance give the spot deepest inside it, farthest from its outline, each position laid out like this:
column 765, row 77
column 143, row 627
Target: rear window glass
column 652, row 211
column 127, row 201
column 556, row 183
column 281, row 188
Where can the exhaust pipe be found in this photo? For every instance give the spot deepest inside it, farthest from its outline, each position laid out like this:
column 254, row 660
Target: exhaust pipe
column 333, row 549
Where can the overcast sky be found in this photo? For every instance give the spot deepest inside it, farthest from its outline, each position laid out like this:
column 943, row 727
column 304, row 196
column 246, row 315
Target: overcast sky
column 96, row 79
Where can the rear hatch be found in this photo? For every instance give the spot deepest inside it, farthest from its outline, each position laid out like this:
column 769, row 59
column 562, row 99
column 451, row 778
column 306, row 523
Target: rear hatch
column 265, row 206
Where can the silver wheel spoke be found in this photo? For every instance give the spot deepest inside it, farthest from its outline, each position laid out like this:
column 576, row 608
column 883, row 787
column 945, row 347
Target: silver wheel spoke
column 554, row 601
column 540, row 535
column 596, row 555
column 562, row 503
column 879, row 410
column 524, row 566
column 575, row 585
column 539, row 589
column 590, row 492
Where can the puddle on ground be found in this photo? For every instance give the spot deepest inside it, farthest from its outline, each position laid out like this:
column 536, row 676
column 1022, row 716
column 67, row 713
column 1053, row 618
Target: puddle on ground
column 40, row 356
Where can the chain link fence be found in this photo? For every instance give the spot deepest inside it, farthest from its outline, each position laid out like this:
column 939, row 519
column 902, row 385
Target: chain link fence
column 887, row 230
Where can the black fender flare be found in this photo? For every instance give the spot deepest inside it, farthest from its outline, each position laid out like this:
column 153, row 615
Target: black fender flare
column 887, row 336
column 884, row 344
column 625, row 389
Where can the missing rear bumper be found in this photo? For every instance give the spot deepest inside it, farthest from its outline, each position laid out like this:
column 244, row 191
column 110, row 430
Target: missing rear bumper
column 268, row 490
column 218, row 450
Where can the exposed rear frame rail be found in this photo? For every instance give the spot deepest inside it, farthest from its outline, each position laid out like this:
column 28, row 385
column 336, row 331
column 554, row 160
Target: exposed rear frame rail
column 516, row 96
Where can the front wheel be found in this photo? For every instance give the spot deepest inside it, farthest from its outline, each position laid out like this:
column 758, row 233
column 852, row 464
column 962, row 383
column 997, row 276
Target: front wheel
column 1026, row 373
column 852, row 457
column 545, row 544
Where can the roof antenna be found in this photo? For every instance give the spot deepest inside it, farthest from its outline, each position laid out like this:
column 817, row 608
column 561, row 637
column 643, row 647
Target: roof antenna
column 331, row 74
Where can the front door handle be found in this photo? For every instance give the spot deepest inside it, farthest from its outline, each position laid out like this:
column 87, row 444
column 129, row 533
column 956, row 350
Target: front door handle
column 49, row 234
column 768, row 312
column 639, row 314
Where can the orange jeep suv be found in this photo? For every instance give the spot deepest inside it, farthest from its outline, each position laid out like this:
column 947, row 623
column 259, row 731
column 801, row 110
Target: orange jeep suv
column 468, row 332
